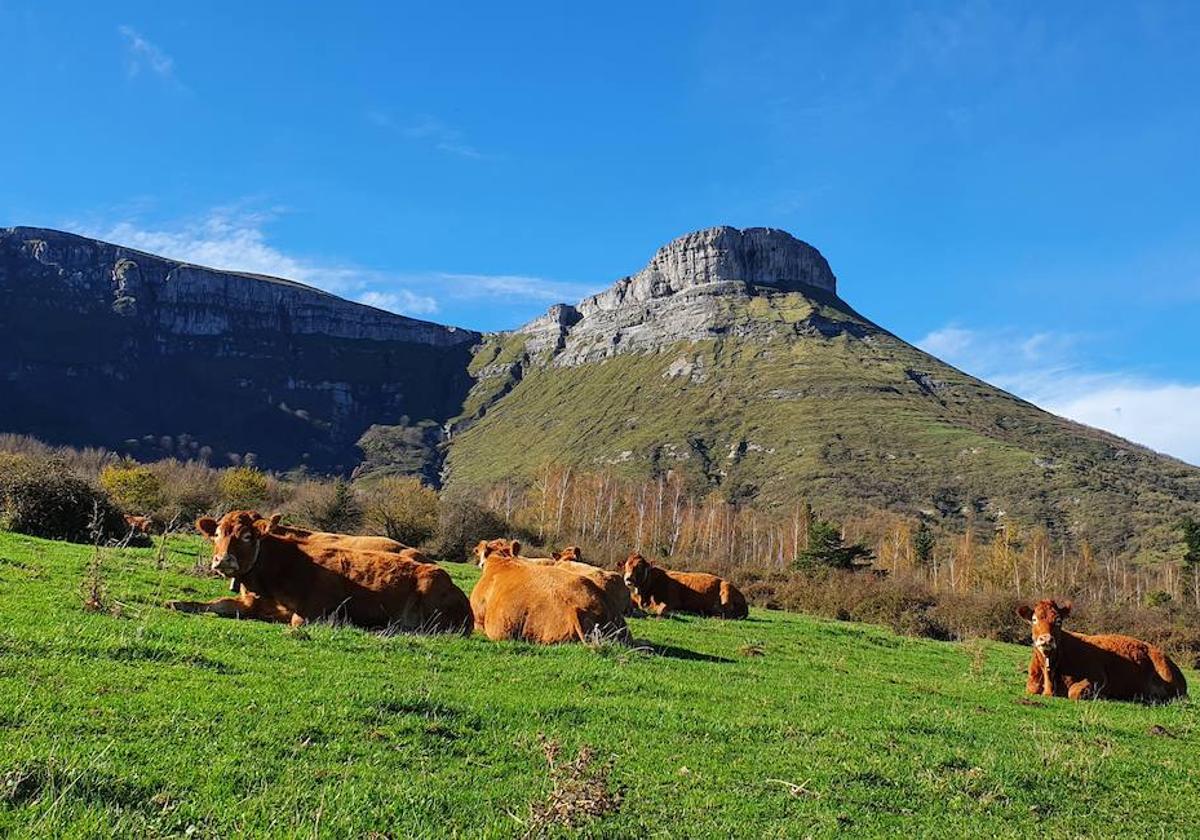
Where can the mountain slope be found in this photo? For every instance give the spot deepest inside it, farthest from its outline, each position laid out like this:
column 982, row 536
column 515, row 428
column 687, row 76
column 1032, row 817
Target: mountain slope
column 731, row 358
column 105, row 345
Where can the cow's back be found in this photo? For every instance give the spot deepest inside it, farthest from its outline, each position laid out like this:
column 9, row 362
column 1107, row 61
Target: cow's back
column 538, row 603
column 1125, row 668
column 697, row 592
column 612, row 584
column 374, row 588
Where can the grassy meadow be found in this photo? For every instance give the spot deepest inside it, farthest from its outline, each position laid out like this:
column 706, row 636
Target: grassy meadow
column 131, row 720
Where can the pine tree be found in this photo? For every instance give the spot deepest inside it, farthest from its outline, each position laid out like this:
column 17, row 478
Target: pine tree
column 827, row 547
column 1191, row 553
column 923, row 544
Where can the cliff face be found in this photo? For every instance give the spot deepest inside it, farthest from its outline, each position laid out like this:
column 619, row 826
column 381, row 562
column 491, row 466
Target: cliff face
column 105, row 345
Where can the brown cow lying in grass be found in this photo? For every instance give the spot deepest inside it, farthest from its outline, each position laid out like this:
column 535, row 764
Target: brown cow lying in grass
column 286, row 575
column 619, row 601
column 1082, row 667
column 659, row 591
column 544, row 603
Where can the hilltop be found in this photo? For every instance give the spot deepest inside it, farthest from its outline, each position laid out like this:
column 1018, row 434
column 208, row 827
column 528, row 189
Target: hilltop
column 732, row 359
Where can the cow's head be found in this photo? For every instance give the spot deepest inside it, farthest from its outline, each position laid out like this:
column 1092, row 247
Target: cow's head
column 636, row 570
column 1045, row 619
column 236, row 539
column 570, row 553
column 502, row 547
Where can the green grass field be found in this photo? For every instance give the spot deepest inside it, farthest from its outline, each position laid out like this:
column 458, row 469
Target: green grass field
column 149, row 723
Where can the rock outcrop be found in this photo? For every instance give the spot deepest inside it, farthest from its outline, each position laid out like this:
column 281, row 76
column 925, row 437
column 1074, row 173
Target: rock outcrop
column 692, row 289
column 105, row 345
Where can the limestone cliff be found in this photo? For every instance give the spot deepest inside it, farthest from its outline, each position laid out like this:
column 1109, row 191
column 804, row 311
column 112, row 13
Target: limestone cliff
column 105, row 345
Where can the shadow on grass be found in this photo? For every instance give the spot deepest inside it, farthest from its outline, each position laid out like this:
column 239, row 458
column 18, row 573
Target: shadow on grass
column 672, row 652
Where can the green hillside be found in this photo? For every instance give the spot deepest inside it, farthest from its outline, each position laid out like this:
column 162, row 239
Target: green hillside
column 800, row 397
column 135, row 721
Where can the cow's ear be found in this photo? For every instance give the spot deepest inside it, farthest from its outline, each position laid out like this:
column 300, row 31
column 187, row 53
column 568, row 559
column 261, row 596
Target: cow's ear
column 1064, row 609
column 1026, row 612
column 514, row 546
column 274, row 521
column 264, row 526
column 207, row 526
column 555, row 555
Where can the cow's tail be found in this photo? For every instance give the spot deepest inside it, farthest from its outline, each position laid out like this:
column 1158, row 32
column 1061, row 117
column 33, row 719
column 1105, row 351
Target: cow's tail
column 733, row 603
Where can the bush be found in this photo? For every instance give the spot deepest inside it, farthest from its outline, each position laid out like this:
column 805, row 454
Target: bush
column 242, row 488
column 134, row 487
column 189, row 490
column 462, row 523
column 44, row 498
column 401, row 508
column 324, row 506
column 982, row 615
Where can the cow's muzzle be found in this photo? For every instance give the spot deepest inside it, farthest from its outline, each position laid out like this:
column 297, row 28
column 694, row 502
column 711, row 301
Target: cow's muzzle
column 225, row 564
column 1044, row 643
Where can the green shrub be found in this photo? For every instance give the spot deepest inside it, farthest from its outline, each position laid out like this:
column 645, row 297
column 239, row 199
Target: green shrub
column 44, row 498
column 242, row 488
column 136, row 488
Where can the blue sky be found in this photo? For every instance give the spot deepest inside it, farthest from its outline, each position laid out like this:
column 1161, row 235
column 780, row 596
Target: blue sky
column 1013, row 186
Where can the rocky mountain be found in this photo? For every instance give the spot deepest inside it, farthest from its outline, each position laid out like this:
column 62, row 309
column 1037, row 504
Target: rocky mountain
column 732, row 360
column 105, row 345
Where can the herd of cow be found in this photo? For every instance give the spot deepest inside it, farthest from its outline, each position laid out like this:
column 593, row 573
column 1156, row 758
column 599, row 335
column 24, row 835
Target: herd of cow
column 287, row 574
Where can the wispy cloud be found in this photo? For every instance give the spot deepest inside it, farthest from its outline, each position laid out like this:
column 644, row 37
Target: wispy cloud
column 233, row 239
column 402, row 301
column 141, row 53
column 514, row 287
column 1045, row 368
column 430, row 131
column 236, row 239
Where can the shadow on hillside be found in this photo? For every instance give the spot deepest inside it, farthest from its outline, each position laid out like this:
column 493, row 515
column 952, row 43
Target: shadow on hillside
column 672, row 652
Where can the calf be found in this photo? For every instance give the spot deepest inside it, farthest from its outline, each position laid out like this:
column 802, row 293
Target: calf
column 544, row 603
column 288, row 576
column 660, row 591
column 1071, row 665
column 139, row 524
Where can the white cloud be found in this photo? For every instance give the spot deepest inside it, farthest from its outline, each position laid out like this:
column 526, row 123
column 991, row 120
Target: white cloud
column 1162, row 416
column 141, row 53
column 402, row 301
column 233, row 240
column 1044, row 368
column 514, row 286
column 429, row 130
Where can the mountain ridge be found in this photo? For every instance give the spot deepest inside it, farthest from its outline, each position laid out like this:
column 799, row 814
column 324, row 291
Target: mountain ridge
column 730, row 359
